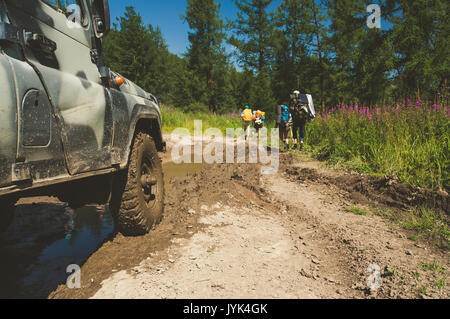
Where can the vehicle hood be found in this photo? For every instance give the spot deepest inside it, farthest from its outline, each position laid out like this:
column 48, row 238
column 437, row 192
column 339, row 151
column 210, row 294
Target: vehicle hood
column 133, row 89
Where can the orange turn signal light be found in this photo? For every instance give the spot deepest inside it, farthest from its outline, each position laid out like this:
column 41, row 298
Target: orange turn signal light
column 119, row 80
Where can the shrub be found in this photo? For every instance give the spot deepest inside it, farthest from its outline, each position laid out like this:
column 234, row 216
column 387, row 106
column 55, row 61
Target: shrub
column 410, row 142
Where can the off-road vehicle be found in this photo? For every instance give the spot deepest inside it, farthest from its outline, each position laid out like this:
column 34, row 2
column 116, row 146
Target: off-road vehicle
column 70, row 127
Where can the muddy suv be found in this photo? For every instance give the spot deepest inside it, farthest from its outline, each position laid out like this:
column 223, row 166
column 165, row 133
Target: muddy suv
column 70, row 127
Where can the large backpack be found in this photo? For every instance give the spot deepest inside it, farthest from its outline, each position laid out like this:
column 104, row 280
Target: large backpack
column 285, row 114
column 247, row 116
column 300, row 112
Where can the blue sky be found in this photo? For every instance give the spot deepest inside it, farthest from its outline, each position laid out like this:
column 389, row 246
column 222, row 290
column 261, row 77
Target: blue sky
column 166, row 15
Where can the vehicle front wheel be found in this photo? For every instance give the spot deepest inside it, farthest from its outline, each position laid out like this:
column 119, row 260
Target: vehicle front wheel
column 7, row 209
column 137, row 201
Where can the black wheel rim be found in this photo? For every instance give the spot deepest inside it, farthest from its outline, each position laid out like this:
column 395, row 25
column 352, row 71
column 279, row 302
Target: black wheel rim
column 149, row 182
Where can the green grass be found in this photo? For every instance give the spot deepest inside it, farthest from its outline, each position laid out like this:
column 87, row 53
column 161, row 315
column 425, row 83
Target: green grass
column 427, row 223
column 409, row 143
column 422, row 222
column 174, row 118
column 391, row 273
column 440, row 283
column 434, row 267
column 439, row 273
column 359, row 211
column 423, row 290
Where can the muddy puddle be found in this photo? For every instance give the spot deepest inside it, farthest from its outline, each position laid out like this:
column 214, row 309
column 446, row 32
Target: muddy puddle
column 37, row 250
column 46, row 237
column 180, row 170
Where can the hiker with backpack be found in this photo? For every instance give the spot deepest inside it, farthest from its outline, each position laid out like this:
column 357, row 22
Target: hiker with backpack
column 285, row 125
column 302, row 110
column 247, row 120
column 259, row 119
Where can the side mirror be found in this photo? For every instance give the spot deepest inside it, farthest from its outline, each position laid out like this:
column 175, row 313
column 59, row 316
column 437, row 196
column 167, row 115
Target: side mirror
column 101, row 18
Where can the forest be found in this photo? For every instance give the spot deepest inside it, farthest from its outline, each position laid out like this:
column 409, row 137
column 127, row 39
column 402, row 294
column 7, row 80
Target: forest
column 381, row 94
column 321, row 47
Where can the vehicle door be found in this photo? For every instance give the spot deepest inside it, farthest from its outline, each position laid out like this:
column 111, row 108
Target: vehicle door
column 61, row 53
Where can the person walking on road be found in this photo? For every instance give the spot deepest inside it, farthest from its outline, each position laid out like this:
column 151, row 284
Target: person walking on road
column 259, row 118
column 285, row 125
column 300, row 115
column 247, row 120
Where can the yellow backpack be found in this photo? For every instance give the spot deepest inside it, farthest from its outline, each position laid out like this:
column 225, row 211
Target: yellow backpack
column 248, row 115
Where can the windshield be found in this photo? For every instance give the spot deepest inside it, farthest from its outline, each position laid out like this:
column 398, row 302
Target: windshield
column 3, row 17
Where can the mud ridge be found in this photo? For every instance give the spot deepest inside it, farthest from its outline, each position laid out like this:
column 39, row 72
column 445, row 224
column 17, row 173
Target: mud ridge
column 381, row 190
column 185, row 197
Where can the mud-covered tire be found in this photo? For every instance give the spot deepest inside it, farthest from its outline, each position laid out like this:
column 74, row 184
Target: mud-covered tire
column 138, row 206
column 7, row 209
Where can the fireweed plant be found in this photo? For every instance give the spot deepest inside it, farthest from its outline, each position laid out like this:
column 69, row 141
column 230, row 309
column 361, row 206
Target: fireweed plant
column 408, row 141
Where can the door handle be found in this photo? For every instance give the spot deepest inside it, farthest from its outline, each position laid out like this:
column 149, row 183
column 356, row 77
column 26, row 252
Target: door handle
column 8, row 33
column 40, row 42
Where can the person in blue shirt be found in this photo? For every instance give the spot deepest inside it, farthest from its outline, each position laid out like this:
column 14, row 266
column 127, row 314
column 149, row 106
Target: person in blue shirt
column 285, row 125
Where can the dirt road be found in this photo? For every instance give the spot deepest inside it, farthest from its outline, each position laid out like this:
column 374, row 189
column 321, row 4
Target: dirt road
column 230, row 232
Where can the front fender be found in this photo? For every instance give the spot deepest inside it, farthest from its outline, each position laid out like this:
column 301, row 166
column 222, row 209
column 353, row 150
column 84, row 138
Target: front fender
column 144, row 117
column 134, row 110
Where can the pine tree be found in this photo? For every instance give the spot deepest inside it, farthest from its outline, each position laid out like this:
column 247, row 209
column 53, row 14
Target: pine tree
column 301, row 54
column 291, row 49
column 373, row 64
column 124, row 47
column 139, row 53
column 253, row 33
column 347, row 28
column 205, row 53
column 421, row 42
column 320, row 34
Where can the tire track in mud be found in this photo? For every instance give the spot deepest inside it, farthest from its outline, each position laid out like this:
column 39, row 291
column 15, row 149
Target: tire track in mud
column 363, row 241
column 228, row 232
column 235, row 256
column 183, row 194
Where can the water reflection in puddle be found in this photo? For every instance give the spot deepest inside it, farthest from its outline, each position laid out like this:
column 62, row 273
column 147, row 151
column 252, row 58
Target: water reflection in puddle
column 179, row 170
column 45, row 238
column 36, row 264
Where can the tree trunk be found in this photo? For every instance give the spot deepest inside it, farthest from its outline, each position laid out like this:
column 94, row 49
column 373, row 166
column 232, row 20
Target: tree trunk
column 319, row 50
column 209, row 85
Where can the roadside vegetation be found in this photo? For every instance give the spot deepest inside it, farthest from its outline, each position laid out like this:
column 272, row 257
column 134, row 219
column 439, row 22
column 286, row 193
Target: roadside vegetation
column 422, row 223
column 310, row 47
column 429, row 225
column 409, row 142
column 359, row 211
column 174, row 118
